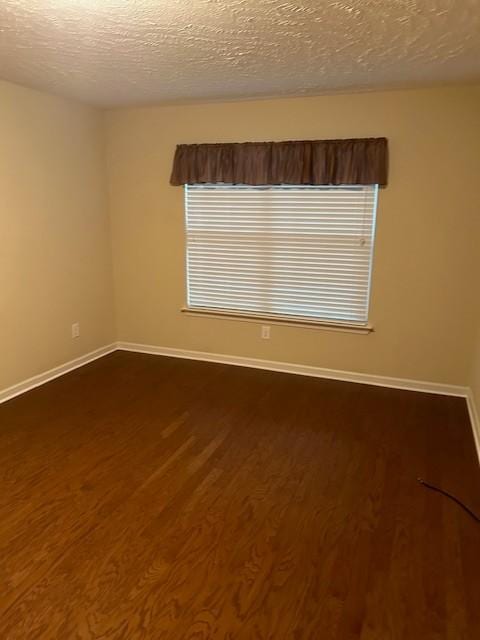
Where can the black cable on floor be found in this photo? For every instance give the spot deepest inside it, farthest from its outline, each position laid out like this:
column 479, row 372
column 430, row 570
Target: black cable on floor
column 471, row 513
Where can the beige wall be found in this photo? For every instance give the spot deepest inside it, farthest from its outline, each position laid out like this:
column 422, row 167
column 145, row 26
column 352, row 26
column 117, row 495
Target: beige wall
column 474, row 380
column 475, row 373
column 423, row 273
column 55, row 262
column 55, row 258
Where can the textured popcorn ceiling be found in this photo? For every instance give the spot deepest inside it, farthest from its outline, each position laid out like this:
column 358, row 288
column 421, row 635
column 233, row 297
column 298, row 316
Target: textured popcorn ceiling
column 114, row 52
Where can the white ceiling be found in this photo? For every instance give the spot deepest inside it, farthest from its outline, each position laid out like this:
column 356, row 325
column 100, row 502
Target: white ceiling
column 117, row 52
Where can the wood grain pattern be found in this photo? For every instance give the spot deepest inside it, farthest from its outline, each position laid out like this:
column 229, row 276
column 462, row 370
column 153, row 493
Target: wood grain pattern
column 153, row 498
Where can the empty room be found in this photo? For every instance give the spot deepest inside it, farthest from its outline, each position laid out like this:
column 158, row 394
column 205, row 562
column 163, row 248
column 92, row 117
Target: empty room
column 239, row 320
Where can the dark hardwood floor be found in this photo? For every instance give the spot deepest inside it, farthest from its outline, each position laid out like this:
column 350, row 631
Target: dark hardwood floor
column 155, row 498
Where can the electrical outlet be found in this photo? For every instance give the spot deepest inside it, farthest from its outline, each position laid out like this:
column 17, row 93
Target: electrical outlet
column 265, row 332
column 75, row 330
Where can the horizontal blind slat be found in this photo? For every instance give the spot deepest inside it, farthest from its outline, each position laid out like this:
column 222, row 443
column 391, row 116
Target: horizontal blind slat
column 288, row 292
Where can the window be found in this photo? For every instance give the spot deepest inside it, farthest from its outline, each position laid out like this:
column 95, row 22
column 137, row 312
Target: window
column 302, row 253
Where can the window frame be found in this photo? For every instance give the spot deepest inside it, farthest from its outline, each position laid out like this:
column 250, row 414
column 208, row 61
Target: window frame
column 310, row 322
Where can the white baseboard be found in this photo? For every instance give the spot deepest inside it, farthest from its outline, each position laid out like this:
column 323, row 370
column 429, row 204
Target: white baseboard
column 46, row 376
column 474, row 419
column 319, row 372
column 300, row 369
column 256, row 363
column 269, row 365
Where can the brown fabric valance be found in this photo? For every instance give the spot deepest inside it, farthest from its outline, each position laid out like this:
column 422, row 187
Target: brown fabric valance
column 354, row 161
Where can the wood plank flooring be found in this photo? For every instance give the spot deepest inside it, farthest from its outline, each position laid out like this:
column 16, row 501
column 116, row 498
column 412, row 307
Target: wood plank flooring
column 155, row 498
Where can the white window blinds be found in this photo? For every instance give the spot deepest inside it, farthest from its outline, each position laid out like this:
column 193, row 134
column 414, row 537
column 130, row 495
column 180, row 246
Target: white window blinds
column 292, row 252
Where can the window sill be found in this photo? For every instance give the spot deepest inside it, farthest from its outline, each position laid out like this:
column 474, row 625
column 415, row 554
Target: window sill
column 344, row 327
